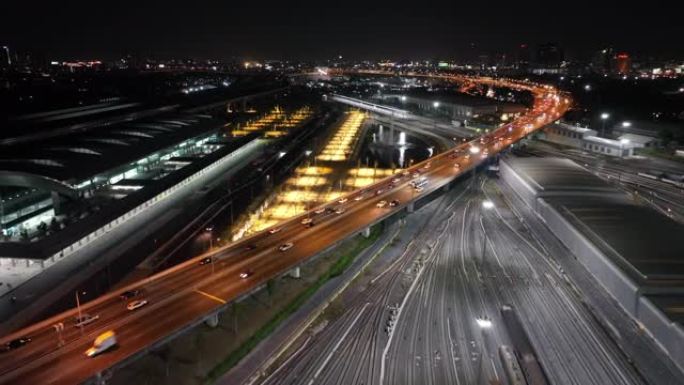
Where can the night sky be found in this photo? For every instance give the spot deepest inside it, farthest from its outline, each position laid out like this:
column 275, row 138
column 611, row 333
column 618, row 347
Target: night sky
column 324, row 29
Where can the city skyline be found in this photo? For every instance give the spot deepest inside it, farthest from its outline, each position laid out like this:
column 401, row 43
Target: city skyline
column 305, row 31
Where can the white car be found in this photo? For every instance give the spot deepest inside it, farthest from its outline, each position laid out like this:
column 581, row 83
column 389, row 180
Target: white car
column 307, row 221
column 419, row 189
column 320, row 211
column 274, row 230
column 358, row 198
column 136, row 304
column 339, row 210
column 381, row 204
column 286, row 246
column 343, row 200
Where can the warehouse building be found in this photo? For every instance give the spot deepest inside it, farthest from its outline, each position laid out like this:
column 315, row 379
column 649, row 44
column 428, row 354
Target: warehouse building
column 631, row 250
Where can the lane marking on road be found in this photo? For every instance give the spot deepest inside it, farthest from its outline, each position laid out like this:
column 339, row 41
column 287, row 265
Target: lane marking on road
column 215, row 298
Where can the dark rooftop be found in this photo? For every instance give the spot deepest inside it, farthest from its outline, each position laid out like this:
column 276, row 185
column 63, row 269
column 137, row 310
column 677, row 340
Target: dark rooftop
column 642, row 241
column 81, row 155
column 559, row 176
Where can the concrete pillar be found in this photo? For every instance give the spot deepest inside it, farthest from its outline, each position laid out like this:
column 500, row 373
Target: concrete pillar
column 296, row 273
column 366, row 232
column 409, row 207
column 212, row 321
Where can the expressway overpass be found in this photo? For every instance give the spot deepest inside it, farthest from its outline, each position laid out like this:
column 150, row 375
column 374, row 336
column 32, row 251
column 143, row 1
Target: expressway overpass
column 377, row 108
column 190, row 293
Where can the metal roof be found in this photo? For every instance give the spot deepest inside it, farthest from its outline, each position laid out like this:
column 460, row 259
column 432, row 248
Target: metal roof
column 82, row 155
column 644, row 242
column 557, row 176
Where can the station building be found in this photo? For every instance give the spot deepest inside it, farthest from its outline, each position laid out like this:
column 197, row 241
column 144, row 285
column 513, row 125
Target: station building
column 633, row 251
column 586, row 139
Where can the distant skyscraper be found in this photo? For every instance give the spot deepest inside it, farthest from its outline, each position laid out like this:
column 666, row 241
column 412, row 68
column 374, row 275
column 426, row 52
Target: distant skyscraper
column 550, row 55
column 601, row 62
column 523, row 57
column 622, row 63
column 5, row 58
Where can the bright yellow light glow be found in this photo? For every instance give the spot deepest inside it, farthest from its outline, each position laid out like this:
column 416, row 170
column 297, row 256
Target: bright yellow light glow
column 342, row 143
column 274, row 123
column 314, row 171
column 309, row 181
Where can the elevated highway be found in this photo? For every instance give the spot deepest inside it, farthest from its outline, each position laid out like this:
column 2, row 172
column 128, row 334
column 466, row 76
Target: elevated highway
column 192, row 292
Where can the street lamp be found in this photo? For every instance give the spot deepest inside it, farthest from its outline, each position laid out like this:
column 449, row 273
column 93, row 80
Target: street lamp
column 626, row 124
column 435, row 104
column 487, row 205
column 485, row 324
column 78, row 307
column 604, row 116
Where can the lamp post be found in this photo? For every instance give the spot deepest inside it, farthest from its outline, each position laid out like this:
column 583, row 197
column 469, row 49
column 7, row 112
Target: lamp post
column 484, row 323
column 604, row 116
column 487, row 205
column 78, row 307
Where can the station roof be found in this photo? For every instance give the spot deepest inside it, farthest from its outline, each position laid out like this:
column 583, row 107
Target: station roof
column 83, row 154
column 578, row 129
column 639, row 239
column 644, row 242
column 558, row 176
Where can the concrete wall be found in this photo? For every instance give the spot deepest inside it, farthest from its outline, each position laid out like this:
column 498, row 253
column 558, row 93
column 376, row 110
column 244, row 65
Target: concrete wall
column 526, row 192
column 667, row 333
